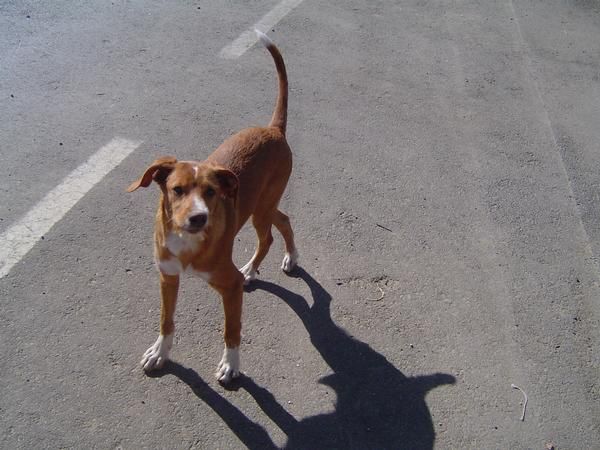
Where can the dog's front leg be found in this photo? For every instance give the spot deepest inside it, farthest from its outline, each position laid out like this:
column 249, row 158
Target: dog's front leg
column 156, row 356
column 231, row 292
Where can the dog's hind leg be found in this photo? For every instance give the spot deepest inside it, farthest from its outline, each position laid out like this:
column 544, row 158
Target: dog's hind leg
column 262, row 225
column 282, row 223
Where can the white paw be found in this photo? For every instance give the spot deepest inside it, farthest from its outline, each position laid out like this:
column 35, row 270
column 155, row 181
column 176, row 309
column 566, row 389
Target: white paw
column 289, row 261
column 249, row 273
column 229, row 367
column 157, row 355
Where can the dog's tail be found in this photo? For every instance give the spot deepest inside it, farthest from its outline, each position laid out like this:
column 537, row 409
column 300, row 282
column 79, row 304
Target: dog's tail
column 279, row 119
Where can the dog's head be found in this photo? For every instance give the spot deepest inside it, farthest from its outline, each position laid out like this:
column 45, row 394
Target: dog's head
column 193, row 192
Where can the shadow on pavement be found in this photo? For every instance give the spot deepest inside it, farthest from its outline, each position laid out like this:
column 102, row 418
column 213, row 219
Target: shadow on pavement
column 377, row 406
column 251, row 434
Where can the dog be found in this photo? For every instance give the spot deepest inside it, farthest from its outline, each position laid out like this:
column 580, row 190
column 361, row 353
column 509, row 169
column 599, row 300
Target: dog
column 201, row 209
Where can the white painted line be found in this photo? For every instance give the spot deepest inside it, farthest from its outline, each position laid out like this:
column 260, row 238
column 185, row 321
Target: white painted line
column 22, row 236
column 248, row 38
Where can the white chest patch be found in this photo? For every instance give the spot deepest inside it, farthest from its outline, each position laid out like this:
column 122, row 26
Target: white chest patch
column 170, row 266
column 178, row 243
column 204, row 275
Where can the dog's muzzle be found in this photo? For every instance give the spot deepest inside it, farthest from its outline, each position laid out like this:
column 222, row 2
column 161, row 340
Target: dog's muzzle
column 195, row 223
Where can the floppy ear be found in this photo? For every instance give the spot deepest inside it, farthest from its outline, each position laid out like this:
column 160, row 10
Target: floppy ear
column 228, row 182
column 158, row 171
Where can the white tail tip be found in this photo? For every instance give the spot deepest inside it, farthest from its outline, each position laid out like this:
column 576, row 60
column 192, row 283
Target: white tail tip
column 264, row 39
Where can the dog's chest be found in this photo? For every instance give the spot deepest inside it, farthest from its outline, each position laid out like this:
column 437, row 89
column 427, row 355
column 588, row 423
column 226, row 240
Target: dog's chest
column 177, row 246
column 180, row 243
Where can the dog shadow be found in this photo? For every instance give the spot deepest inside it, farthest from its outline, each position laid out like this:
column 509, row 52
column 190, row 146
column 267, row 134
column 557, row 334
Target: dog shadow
column 377, row 406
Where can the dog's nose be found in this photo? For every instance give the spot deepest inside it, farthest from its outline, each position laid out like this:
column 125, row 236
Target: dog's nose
column 198, row 221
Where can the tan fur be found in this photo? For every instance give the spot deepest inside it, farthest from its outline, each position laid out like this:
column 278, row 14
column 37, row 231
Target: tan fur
column 244, row 177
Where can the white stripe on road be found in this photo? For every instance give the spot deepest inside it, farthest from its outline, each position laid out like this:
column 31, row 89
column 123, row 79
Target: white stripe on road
column 248, row 38
column 22, row 236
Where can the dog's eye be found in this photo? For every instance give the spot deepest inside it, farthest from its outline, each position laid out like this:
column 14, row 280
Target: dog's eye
column 209, row 192
column 178, row 190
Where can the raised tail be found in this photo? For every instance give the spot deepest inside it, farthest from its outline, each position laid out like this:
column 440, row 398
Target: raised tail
column 279, row 118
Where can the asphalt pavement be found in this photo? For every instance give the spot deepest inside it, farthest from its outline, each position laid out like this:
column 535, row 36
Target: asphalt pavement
column 444, row 200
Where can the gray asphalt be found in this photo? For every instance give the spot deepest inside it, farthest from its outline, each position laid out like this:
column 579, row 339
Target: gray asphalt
column 444, row 200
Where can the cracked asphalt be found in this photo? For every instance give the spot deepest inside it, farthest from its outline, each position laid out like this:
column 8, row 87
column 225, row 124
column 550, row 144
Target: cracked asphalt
column 444, row 200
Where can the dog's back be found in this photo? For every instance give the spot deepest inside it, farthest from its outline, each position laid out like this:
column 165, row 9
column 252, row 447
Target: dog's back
column 260, row 157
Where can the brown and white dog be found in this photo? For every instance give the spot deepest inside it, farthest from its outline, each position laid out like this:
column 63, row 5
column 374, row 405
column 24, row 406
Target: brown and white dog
column 202, row 207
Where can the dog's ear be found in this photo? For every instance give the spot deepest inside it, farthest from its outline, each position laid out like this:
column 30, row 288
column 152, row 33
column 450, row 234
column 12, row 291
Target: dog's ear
column 158, row 171
column 228, row 182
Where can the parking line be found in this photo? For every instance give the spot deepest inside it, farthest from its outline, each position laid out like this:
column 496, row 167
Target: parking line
column 16, row 242
column 248, row 38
